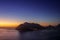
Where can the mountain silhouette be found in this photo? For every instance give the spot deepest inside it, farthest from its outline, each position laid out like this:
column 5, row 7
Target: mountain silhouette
column 29, row 27
column 35, row 27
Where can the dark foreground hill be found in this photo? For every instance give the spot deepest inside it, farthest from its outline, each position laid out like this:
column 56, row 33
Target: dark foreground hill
column 33, row 31
column 35, row 27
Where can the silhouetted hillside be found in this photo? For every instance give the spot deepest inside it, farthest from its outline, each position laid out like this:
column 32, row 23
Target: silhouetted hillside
column 50, row 27
column 29, row 27
column 34, row 27
column 58, row 27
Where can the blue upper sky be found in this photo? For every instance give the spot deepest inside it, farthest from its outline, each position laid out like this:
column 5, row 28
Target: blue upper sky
column 31, row 10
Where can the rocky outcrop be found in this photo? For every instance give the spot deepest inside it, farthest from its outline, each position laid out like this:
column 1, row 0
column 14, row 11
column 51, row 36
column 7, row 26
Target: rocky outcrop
column 29, row 27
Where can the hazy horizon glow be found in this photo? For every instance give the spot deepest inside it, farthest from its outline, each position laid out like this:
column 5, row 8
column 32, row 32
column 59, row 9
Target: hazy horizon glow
column 9, row 23
column 15, row 12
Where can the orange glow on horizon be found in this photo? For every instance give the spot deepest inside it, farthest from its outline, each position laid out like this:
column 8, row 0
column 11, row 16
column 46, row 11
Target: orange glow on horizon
column 9, row 23
column 46, row 24
column 13, row 23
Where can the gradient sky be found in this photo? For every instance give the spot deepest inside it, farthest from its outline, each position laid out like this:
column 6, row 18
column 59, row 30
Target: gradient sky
column 44, row 12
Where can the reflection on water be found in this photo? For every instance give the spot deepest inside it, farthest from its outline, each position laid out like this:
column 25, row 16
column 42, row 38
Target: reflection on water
column 7, row 34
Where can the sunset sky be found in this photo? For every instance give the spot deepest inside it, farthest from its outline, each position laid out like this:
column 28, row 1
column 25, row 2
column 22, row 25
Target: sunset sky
column 15, row 12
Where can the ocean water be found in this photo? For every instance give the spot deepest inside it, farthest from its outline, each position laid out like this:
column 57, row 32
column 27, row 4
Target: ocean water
column 10, row 34
column 7, row 34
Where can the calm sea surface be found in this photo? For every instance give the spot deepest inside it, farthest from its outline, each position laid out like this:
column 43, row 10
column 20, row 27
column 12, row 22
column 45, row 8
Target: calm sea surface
column 7, row 34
